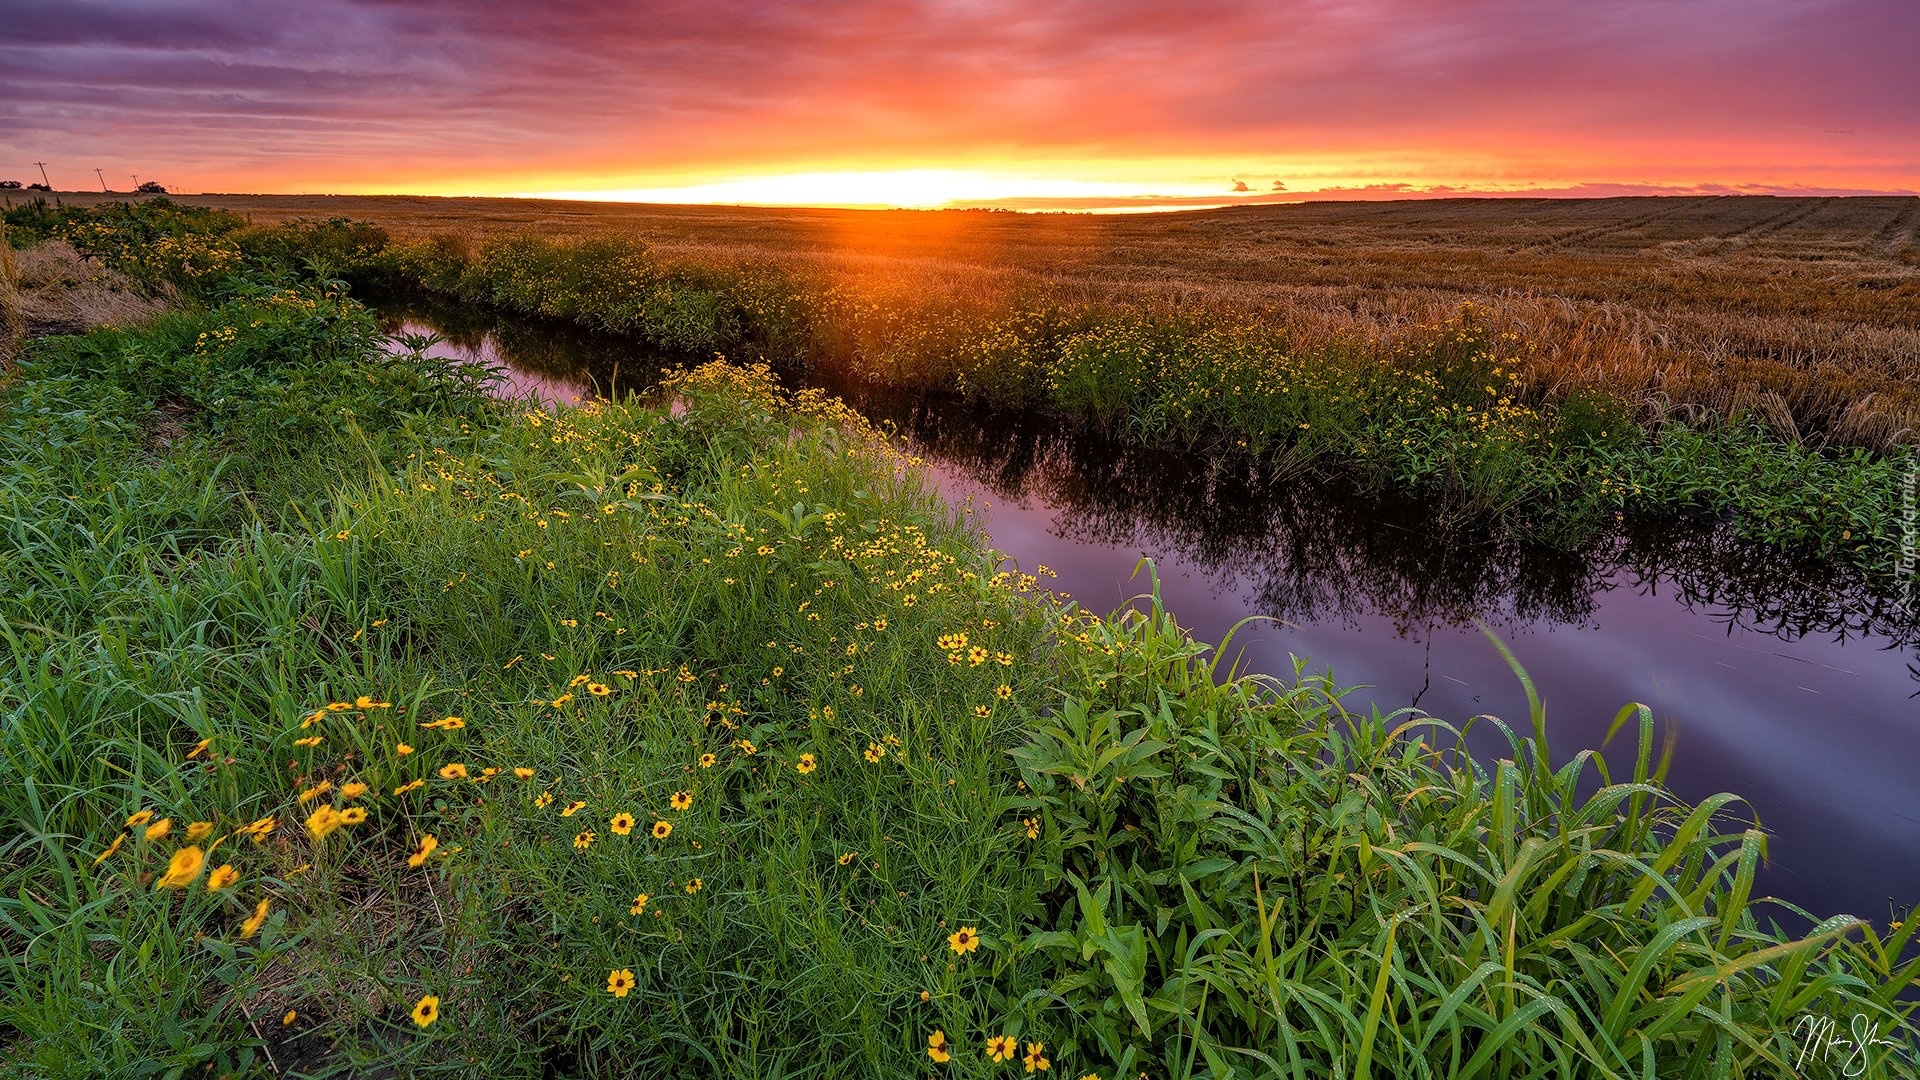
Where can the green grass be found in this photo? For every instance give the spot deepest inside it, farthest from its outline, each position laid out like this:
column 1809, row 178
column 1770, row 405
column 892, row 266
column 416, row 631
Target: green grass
column 243, row 569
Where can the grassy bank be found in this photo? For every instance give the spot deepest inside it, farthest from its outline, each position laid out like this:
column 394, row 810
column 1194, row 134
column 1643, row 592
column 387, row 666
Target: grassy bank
column 356, row 719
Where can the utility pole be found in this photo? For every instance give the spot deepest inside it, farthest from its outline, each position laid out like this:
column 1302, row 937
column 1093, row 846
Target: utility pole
column 136, row 181
column 43, row 173
column 103, row 180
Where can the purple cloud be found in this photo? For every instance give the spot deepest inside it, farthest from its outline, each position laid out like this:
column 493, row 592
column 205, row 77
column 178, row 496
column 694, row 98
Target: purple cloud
column 370, row 92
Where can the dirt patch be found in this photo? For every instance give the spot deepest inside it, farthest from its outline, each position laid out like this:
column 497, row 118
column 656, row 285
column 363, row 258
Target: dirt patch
column 167, row 424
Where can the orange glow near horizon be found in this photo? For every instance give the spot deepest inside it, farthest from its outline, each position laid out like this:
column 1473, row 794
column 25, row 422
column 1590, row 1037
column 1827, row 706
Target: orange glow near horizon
column 882, row 188
column 1105, row 105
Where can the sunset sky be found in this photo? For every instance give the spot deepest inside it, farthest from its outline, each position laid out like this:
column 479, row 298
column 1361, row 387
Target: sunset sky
column 1109, row 104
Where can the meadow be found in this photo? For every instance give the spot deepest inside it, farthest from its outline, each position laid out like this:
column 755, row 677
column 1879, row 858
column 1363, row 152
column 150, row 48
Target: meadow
column 1546, row 365
column 361, row 720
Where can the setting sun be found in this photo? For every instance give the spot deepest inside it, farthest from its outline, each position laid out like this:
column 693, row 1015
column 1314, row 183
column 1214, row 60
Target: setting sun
column 907, row 188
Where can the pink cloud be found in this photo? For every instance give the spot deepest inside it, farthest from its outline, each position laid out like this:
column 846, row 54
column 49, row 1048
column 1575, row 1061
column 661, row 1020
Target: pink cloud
column 357, row 92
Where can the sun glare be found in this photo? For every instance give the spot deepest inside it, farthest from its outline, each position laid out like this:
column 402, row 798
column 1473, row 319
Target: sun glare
column 908, row 188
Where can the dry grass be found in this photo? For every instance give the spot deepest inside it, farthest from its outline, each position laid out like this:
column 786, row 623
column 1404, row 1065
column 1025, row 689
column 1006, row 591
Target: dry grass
column 1806, row 309
column 58, row 291
column 13, row 321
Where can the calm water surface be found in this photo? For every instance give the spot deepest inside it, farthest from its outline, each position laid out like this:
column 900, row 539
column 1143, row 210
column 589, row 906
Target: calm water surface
column 1789, row 684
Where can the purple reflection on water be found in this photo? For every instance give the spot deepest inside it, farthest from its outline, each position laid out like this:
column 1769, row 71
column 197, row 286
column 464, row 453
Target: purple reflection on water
column 515, row 382
column 1821, row 738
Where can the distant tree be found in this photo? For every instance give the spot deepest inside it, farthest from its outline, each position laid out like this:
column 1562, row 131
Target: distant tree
column 39, row 187
column 10, row 185
column 150, row 188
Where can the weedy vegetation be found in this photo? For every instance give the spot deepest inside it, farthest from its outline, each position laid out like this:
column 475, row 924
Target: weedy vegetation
column 359, row 720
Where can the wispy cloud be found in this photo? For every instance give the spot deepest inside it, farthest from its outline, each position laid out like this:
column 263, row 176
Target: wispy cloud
column 490, row 95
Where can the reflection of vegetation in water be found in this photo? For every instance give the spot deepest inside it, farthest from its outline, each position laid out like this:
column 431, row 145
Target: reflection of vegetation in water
column 1320, row 552
column 556, row 350
column 1314, row 551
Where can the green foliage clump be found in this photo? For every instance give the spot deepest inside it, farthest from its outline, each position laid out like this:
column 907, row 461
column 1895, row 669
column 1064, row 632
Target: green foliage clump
column 1250, row 882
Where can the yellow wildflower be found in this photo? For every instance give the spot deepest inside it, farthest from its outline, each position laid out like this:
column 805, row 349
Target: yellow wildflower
column 182, row 868
column 111, row 848
column 619, row 982
column 323, row 822
column 255, row 920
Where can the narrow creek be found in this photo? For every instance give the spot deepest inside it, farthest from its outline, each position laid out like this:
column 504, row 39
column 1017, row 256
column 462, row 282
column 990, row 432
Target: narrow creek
column 1791, row 685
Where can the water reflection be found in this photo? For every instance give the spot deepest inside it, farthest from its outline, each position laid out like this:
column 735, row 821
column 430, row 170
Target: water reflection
column 1327, row 553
